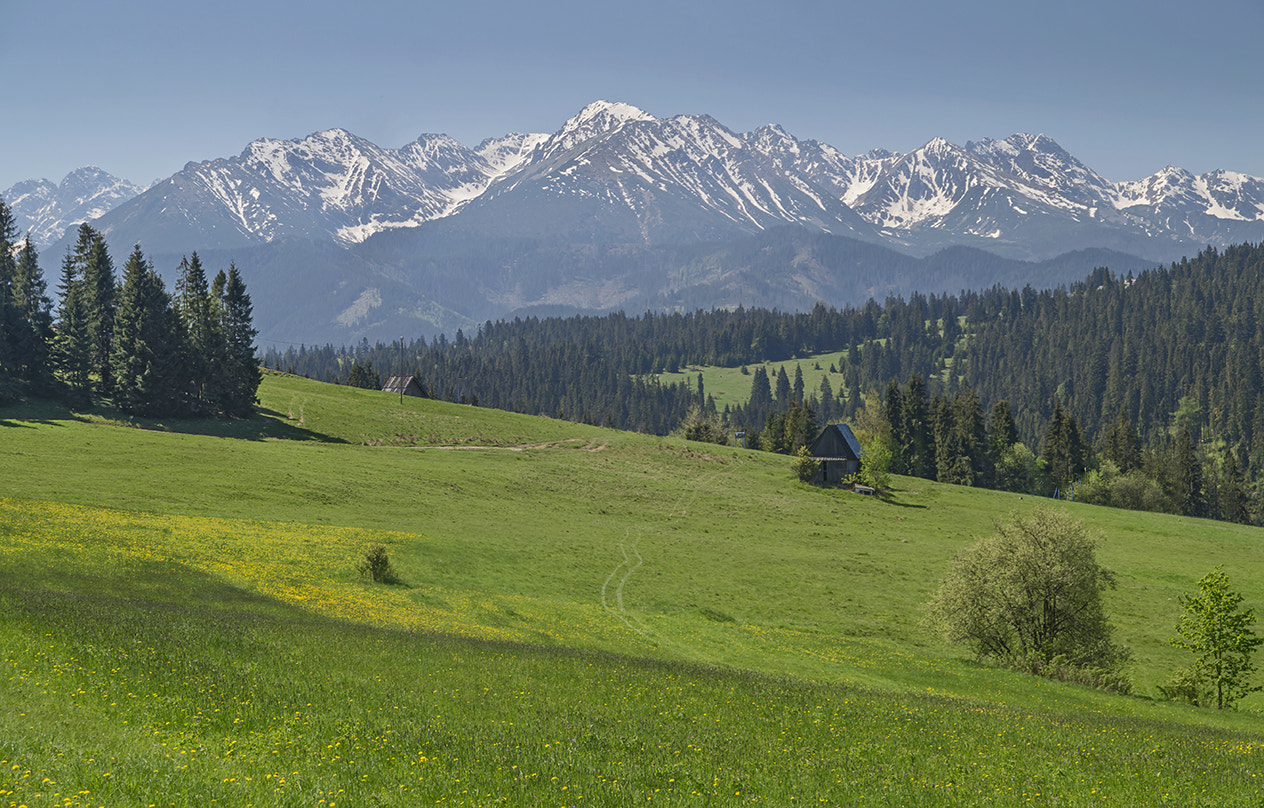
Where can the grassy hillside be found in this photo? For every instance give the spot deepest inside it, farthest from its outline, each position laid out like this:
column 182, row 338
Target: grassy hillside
column 633, row 618
column 732, row 387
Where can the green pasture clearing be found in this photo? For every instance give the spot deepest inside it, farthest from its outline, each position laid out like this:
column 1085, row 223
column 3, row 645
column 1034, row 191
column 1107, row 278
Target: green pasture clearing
column 663, row 614
column 732, row 387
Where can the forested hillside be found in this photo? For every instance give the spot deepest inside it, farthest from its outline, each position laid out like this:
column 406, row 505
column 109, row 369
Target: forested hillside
column 1134, row 359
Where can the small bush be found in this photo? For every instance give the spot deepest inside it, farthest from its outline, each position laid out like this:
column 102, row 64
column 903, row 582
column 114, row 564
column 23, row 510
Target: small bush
column 377, row 565
column 805, row 465
column 1185, row 686
column 1111, row 678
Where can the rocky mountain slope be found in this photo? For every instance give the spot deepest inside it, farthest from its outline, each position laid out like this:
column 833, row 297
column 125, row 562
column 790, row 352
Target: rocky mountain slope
column 619, row 208
column 46, row 210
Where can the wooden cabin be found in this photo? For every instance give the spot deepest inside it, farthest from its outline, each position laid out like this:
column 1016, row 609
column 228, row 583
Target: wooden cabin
column 838, row 452
column 409, row 385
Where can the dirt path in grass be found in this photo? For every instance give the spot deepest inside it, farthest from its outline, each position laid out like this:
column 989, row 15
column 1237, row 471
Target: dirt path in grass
column 612, row 592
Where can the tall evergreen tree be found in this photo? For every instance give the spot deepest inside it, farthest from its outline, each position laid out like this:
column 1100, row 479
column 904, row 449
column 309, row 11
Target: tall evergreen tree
column 34, row 325
column 1121, row 445
column 973, row 466
column 947, row 447
column 1064, row 451
column 782, row 389
column 894, row 412
column 145, row 359
column 10, row 326
column 72, row 347
column 241, row 370
column 1233, row 501
column 99, row 303
column 201, row 317
column 1184, row 478
column 1002, row 433
column 829, row 405
column 919, row 447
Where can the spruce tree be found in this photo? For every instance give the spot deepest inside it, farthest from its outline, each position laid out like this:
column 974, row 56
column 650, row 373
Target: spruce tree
column 9, row 320
column 241, row 372
column 1120, row 444
column 947, row 446
column 829, row 405
column 919, row 447
column 34, row 324
column 72, row 346
column 1064, row 451
column 894, row 412
column 201, row 317
column 1002, row 433
column 782, row 389
column 973, row 461
column 99, row 303
column 145, row 358
column 1233, row 500
column 1184, row 479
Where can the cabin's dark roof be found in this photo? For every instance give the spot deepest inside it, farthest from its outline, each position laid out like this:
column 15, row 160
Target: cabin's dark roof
column 844, row 436
column 397, row 384
column 850, row 438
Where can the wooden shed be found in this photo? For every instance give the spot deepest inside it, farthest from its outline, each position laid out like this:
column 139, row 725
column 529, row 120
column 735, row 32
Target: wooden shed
column 838, row 452
column 408, row 384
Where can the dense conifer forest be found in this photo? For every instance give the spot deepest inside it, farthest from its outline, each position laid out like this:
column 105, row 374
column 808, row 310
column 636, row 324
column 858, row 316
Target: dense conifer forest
column 1141, row 391
column 127, row 343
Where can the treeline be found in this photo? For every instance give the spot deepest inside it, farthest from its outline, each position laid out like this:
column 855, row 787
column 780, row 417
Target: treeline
column 948, row 438
column 1154, row 379
column 126, row 342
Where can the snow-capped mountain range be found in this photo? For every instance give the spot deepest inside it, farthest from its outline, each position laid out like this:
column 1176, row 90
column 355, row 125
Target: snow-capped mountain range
column 45, row 210
column 342, row 239
column 615, row 173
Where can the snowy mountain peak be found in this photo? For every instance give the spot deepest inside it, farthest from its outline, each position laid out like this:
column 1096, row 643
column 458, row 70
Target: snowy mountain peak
column 939, row 145
column 608, row 111
column 772, row 138
column 598, row 118
column 1022, row 142
column 47, row 210
column 877, row 154
column 615, row 173
column 504, row 154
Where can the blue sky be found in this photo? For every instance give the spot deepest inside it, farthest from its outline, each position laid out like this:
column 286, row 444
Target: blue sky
column 139, row 88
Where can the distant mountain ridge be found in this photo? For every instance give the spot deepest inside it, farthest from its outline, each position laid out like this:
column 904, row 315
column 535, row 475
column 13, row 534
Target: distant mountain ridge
column 46, row 210
column 343, row 239
column 614, row 173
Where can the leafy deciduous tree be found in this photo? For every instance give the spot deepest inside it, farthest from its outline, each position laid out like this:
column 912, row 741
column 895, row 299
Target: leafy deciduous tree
column 1219, row 633
column 1032, row 591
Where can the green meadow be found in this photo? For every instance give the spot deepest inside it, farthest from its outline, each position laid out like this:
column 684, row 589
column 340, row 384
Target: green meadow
column 588, row 617
column 733, row 387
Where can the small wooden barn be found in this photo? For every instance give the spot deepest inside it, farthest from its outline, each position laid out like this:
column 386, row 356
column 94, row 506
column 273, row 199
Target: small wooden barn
column 408, row 384
column 838, row 452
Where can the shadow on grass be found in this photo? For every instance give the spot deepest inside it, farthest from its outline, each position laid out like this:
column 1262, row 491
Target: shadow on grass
column 161, row 615
column 889, row 498
column 266, row 424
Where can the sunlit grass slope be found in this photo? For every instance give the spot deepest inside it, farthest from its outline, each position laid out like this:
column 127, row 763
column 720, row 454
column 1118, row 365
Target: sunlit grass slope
column 642, row 619
column 733, row 387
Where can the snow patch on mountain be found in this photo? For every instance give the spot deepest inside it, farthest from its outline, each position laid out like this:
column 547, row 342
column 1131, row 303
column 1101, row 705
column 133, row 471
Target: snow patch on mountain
column 368, row 300
column 597, row 119
column 46, row 210
column 615, row 172
column 504, row 154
